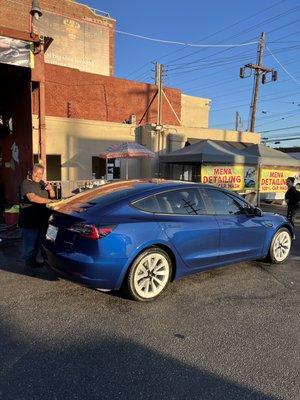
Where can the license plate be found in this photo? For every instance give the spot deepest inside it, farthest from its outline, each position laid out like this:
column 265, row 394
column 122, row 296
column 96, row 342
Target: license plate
column 51, row 233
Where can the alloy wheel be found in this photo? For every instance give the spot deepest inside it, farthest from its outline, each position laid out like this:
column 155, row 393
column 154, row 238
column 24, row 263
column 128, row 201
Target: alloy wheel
column 282, row 246
column 151, row 275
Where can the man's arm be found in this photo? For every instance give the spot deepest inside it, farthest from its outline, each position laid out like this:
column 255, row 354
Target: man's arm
column 34, row 198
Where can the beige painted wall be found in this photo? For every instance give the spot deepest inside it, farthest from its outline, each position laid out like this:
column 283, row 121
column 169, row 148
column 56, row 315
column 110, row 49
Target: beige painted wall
column 78, row 140
column 174, row 138
column 178, row 136
column 194, row 111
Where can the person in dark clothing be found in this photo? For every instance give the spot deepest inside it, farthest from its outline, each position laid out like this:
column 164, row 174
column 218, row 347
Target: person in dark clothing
column 292, row 197
column 35, row 194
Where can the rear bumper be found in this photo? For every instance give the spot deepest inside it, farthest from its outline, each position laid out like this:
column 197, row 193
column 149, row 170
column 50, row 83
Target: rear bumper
column 101, row 274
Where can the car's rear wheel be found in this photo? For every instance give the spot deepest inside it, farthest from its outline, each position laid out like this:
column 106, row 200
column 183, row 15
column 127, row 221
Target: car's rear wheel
column 149, row 275
column 281, row 246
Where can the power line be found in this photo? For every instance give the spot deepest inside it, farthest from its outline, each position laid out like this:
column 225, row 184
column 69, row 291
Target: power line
column 230, row 26
column 197, row 78
column 283, row 26
column 184, row 44
column 191, row 66
column 285, row 70
column 285, row 49
column 281, row 129
column 281, row 139
column 280, row 119
column 271, row 19
column 238, row 22
column 220, row 66
column 137, row 70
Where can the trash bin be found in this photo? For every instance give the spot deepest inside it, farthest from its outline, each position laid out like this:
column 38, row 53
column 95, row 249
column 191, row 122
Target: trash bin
column 11, row 215
column 11, row 218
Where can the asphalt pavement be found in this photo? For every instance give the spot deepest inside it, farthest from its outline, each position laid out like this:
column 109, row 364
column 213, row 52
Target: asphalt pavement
column 231, row 333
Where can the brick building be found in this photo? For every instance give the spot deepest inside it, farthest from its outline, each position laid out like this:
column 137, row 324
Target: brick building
column 60, row 101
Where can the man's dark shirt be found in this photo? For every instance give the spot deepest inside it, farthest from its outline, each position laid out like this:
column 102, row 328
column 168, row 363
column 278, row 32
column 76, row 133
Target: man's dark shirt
column 32, row 215
column 292, row 195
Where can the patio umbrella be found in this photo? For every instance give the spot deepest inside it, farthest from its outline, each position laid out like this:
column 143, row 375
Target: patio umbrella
column 127, row 150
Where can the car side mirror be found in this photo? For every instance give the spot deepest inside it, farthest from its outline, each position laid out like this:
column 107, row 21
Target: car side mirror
column 257, row 212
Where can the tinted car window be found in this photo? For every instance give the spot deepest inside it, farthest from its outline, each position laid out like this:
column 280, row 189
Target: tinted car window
column 148, row 204
column 184, row 201
column 244, row 205
column 222, row 203
column 103, row 196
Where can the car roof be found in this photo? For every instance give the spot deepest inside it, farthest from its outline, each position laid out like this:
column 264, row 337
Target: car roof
column 135, row 189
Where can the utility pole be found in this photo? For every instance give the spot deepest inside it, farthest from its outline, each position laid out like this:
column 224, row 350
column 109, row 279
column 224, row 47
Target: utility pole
column 259, row 70
column 159, row 70
column 261, row 45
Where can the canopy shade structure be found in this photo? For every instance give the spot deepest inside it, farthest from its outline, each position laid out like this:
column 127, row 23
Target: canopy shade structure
column 209, row 151
column 127, row 150
column 232, row 145
column 269, row 156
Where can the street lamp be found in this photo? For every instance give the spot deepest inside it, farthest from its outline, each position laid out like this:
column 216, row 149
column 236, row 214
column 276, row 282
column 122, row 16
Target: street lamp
column 36, row 11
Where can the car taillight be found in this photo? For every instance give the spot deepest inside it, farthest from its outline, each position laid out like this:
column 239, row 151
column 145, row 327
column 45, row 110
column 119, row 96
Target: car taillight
column 92, row 231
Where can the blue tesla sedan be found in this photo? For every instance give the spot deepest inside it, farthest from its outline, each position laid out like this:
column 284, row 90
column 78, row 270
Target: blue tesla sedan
column 140, row 235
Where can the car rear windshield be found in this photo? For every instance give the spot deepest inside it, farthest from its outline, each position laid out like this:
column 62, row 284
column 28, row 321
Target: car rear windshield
column 103, row 196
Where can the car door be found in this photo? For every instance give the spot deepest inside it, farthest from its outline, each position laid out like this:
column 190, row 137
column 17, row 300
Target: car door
column 193, row 232
column 242, row 234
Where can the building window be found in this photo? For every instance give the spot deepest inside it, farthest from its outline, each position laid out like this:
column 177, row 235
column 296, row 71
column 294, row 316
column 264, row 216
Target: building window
column 53, row 165
column 99, row 168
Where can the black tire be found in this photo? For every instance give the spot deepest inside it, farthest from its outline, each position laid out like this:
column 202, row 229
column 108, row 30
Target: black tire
column 165, row 266
column 273, row 256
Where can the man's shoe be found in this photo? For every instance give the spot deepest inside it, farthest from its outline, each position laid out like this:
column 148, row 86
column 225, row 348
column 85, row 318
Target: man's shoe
column 38, row 264
column 30, row 270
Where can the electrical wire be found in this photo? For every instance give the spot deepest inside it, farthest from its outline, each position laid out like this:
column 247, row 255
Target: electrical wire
column 281, row 139
column 280, row 119
column 185, row 44
column 281, row 129
column 270, row 19
column 231, row 60
column 285, row 70
column 228, row 27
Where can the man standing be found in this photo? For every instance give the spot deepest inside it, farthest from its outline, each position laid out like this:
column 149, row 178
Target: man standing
column 35, row 194
column 292, row 197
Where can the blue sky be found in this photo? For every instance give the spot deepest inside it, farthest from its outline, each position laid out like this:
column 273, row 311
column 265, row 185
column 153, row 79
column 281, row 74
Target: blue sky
column 214, row 72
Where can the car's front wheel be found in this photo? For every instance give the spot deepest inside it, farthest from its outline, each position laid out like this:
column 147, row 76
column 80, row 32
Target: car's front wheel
column 149, row 275
column 281, row 246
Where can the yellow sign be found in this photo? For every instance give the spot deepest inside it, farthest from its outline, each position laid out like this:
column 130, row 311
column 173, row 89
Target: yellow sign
column 273, row 180
column 234, row 177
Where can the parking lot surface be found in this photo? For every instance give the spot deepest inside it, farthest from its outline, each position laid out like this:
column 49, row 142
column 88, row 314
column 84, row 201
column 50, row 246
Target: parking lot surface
column 231, row 333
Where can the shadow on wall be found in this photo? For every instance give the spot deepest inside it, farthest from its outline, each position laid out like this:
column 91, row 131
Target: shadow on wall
column 80, row 152
column 106, row 369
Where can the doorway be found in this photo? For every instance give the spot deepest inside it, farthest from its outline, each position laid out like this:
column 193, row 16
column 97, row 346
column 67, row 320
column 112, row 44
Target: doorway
column 15, row 130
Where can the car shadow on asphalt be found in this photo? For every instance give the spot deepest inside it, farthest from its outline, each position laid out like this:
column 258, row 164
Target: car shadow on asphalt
column 11, row 261
column 107, row 369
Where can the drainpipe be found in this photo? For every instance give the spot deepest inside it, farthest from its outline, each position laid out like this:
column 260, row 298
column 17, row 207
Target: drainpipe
column 42, row 116
column 42, row 124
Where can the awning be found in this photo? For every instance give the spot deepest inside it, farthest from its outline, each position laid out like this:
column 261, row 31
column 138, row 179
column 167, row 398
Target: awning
column 269, row 156
column 209, row 151
column 234, row 145
column 217, row 151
